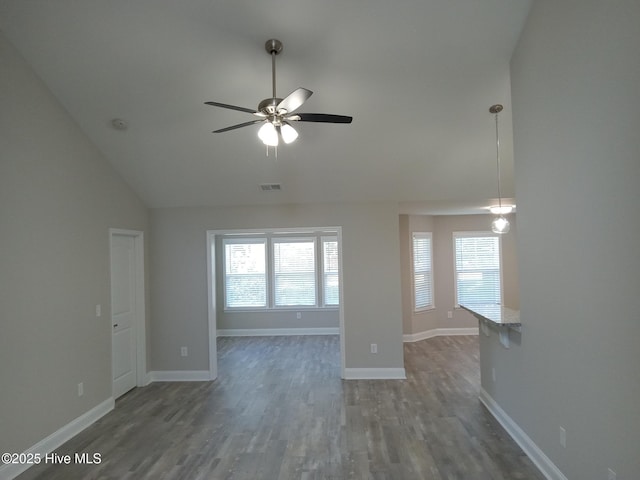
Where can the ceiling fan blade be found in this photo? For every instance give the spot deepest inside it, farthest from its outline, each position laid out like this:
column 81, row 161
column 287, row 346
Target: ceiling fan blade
column 320, row 117
column 240, row 125
column 294, row 100
column 232, row 107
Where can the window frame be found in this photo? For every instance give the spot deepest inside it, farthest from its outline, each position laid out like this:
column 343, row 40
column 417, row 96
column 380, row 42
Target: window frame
column 271, row 236
column 244, row 240
column 294, row 239
column 322, row 293
column 431, row 304
column 476, row 234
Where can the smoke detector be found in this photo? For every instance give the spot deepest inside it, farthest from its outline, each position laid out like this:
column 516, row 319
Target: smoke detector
column 119, row 124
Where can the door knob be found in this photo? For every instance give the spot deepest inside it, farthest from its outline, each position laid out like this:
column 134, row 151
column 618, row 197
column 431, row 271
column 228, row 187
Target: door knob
column 115, row 325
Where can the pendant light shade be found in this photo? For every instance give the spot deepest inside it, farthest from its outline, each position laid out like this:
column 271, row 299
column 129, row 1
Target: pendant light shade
column 501, row 210
column 500, row 224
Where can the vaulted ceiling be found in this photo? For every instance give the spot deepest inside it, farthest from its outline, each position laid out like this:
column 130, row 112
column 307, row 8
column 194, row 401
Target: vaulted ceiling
column 418, row 77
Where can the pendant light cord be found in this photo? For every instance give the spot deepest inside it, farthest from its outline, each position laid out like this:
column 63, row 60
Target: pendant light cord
column 498, row 163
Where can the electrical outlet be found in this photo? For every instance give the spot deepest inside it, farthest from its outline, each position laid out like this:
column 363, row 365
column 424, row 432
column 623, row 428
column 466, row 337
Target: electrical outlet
column 81, row 389
column 374, row 348
column 98, row 310
column 184, row 352
column 611, row 475
column 298, row 315
column 449, row 314
column 563, row 437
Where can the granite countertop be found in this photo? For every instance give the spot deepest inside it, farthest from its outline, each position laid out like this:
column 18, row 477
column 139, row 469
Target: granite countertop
column 497, row 314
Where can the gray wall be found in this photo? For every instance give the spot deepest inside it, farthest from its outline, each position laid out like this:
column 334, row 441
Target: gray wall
column 576, row 104
column 415, row 322
column 319, row 318
column 442, row 228
column 58, row 198
column 370, row 264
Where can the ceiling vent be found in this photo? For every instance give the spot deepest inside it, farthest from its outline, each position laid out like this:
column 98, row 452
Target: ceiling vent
column 268, row 187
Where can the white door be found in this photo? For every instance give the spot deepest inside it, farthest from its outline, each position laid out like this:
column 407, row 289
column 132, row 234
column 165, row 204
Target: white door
column 123, row 313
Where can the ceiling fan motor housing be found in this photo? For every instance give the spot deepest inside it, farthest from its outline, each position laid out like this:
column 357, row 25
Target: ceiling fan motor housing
column 268, row 105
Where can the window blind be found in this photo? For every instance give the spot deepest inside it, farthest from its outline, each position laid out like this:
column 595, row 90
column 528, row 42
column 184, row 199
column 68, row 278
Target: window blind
column 294, row 272
column 245, row 273
column 477, row 269
column 422, row 271
column 330, row 276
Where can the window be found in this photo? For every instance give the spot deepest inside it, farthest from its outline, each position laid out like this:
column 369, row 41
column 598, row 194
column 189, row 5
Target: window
column 294, row 272
column 422, row 275
column 281, row 270
column 477, row 257
column 330, row 277
column 245, row 277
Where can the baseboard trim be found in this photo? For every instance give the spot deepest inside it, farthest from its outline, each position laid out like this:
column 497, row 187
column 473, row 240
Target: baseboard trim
column 180, row 376
column 537, row 456
column 60, row 436
column 374, row 374
column 268, row 332
column 438, row 332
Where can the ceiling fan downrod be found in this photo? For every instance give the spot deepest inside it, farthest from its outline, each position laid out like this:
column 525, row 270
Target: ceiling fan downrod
column 273, row 47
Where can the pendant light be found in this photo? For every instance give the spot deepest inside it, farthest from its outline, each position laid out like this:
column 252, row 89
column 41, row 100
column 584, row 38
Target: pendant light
column 500, row 224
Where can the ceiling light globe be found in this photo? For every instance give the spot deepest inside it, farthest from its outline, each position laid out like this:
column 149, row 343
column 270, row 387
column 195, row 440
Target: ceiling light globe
column 289, row 133
column 500, row 225
column 268, row 134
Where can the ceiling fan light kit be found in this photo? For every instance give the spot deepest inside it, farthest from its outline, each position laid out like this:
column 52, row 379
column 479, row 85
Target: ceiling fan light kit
column 277, row 113
column 268, row 135
column 288, row 133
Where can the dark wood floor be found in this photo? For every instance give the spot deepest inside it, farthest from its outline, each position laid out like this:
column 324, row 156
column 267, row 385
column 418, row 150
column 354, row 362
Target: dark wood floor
column 279, row 410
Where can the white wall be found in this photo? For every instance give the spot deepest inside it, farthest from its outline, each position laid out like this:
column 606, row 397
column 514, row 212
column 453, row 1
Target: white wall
column 370, row 264
column 58, row 199
column 576, row 104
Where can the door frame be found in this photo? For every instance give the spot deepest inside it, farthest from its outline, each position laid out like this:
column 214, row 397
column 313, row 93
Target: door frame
column 212, row 300
column 139, row 322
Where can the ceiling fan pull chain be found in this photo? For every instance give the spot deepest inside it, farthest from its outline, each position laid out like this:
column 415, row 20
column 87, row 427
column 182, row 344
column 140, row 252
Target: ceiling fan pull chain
column 275, row 151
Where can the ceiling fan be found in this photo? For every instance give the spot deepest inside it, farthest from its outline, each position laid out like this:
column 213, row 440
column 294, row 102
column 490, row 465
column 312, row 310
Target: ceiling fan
column 278, row 113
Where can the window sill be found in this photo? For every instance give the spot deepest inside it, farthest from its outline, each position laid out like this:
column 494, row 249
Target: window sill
column 425, row 309
column 282, row 309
